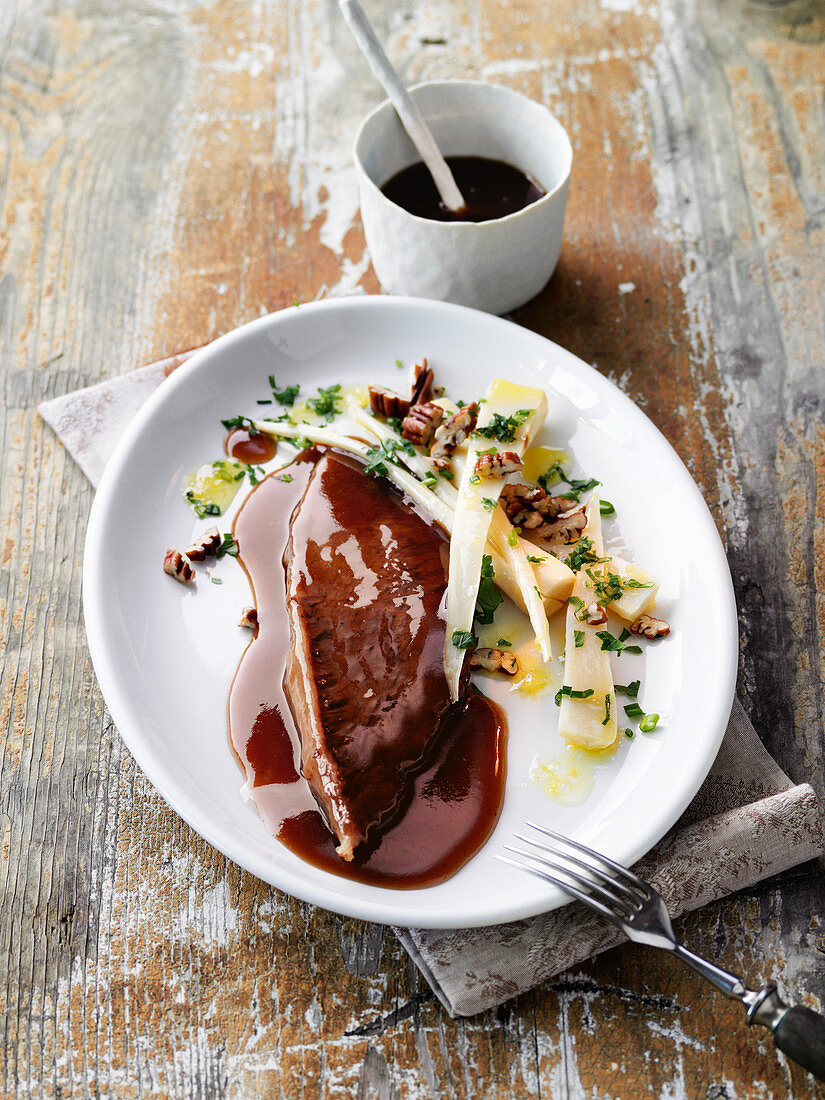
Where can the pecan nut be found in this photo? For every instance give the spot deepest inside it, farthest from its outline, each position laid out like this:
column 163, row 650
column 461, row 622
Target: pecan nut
column 596, row 614
column 249, row 618
column 495, row 660
column 420, row 424
column 388, row 404
column 178, row 567
column 497, row 465
column 451, row 434
column 422, row 383
column 204, row 547
column 650, row 627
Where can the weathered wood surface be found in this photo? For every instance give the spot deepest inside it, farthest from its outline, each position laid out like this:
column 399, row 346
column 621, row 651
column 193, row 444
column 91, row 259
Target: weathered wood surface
column 172, row 168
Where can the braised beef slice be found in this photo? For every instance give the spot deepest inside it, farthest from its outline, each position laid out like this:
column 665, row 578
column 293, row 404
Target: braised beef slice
column 365, row 680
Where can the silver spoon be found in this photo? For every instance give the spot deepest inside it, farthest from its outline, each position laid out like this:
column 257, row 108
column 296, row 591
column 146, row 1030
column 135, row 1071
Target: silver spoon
column 411, row 118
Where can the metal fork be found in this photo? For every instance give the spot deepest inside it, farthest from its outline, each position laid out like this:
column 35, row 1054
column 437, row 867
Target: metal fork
column 639, row 911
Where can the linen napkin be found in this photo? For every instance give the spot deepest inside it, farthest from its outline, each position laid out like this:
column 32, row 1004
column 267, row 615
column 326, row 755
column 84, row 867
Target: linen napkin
column 747, row 822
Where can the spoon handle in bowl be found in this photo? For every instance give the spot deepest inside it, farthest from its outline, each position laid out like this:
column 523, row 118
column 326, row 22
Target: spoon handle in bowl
column 408, row 112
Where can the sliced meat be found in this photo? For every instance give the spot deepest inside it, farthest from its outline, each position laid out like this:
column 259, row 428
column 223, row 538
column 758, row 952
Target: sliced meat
column 364, row 679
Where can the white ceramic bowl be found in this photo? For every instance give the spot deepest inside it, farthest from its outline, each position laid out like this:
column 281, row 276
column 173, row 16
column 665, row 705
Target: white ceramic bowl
column 495, row 265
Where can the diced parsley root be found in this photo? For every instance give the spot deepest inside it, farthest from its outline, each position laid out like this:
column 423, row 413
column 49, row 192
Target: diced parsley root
column 634, row 601
column 510, row 415
column 588, row 721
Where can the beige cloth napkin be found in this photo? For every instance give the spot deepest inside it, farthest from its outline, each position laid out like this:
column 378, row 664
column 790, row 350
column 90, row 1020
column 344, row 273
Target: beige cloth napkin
column 747, row 822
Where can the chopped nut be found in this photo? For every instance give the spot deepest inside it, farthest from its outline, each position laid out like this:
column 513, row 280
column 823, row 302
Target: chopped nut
column 204, row 547
column 249, row 618
column 596, row 614
column 176, row 566
column 450, row 435
column 650, row 627
column 529, row 506
column 567, row 526
column 420, row 423
column 498, row 465
column 386, row 403
column 495, row 660
column 422, row 384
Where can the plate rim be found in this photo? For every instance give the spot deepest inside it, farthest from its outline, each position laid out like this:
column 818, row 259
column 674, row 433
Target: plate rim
column 179, row 800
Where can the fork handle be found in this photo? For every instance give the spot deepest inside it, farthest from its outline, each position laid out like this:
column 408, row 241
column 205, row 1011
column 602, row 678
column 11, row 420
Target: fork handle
column 797, row 1031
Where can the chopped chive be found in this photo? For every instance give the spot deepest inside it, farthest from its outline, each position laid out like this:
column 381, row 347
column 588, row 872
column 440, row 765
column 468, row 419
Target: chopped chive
column 631, row 689
column 633, row 710
column 632, row 649
column 571, row 693
column 606, row 718
column 488, row 504
column 637, row 584
column 606, row 508
column 629, row 734
column 446, row 474
column 578, row 638
column 285, row 477
column 475, row 480
column 512, row 536
column 649, row 723
column 398, row 363
column 535, row 561
column 504, row 643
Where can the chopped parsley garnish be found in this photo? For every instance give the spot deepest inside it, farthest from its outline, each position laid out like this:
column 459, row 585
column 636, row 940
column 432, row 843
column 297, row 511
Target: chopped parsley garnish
column 631, row 689
column 255, row 473
column 463, row 639
column 446, row 474
column 398, row 363
column 581, row 609
column 578, row 638
column 615, row 645
column 287, row 395
column 201, row 507
column 607, row 588
column 285, row 477
column 606, row 508
column 579, row 486
column 228, row 546
column 649, row 723
column 631, row 583
column 552, row 476
column 489, row 596
column 302, row 442
column 625, row 634
column 386, row 451
column 326, row 403
column 584, row 554
column 240, row 422
column 535, row 561
column 566, row 690
column 395, row 423
column 504, row 428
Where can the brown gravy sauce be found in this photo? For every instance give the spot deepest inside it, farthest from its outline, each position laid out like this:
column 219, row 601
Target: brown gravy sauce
column 491, row 188
column 455, row 798
column 250, row 447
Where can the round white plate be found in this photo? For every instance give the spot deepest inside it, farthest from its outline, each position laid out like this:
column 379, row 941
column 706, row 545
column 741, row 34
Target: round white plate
column 165, row 655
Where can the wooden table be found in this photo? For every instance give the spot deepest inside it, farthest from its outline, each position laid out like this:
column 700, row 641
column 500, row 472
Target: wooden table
column 171, row 169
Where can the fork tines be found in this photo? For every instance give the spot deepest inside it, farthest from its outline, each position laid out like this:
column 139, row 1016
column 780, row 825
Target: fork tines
column 596, row 880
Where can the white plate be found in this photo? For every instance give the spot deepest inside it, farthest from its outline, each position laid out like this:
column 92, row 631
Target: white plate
column 165, row 656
